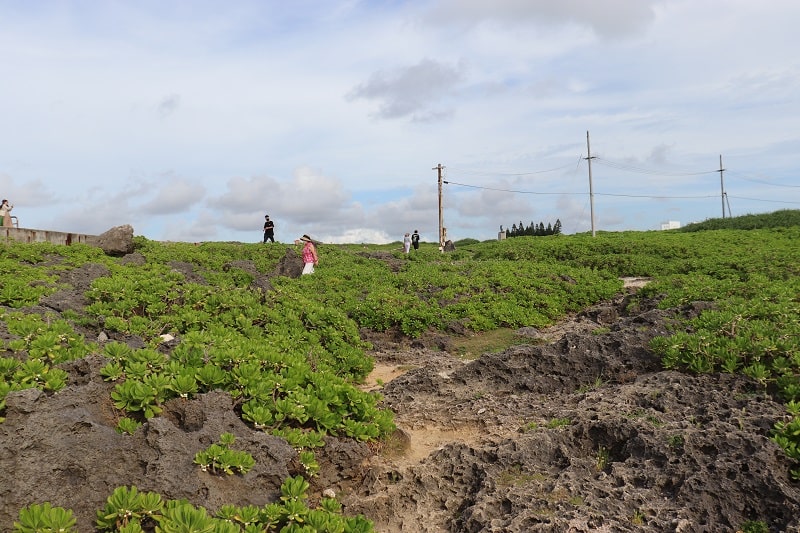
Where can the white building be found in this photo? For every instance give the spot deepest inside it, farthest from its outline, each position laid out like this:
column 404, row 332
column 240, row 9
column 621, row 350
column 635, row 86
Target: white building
column 670, row 224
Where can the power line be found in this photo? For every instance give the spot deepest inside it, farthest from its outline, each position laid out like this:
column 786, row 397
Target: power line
column 607, row 162
column 764, row 200
column 632, row 168
column 500, row 190
column 622, row 167
column 639, row 170
column 493, row 173
column 574, row 193
column 647, row 196
column 656, row 197
column 741, row 177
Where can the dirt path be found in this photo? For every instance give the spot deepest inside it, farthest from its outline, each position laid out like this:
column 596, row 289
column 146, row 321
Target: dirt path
column 422, row 437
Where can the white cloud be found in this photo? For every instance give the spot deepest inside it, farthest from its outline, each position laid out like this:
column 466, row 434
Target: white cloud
column 172, row 195
column 411, row 91
column 168, row 105
column 609, row 18
column 360, row 235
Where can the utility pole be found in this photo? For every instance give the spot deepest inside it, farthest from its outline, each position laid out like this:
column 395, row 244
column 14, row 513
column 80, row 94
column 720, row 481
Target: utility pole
column 722, row 186
column 591, row 192
column 727, row 201
column 439, row 168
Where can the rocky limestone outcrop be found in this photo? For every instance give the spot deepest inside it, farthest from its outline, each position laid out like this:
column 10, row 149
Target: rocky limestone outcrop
column 116, row 242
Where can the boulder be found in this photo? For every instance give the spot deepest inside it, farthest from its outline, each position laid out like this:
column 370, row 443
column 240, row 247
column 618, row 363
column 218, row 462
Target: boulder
column 290, row 265
column 117, row 241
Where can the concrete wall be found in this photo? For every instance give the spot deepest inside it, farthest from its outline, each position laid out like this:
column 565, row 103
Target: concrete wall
column 40, row 235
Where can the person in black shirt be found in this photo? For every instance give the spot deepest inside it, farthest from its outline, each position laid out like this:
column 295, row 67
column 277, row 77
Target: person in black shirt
column 415, row 240
column 269, row 229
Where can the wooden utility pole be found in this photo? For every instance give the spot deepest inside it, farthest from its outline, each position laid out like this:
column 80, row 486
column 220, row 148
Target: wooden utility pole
column 439, row 169
column 591, row 191
column 722, row 186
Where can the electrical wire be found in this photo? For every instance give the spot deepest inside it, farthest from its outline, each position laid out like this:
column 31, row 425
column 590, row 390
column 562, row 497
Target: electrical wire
column 492, row 173
column 639, row 170
column 753, row 180
column 574, row 193
column 764, row 200
column 500, row 190
column 619, row 166
column 655, row 197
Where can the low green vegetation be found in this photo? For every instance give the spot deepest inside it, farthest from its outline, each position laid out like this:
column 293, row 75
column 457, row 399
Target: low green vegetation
column 40, row 518
column 474, row 345
column 558, row 422
column 675, row 441
column 754, row 526
column 292, row 357
column 516, row 475
column 554, row 423
column 128, row 510
column 602, row 458
column 221, row 458
column 785, row 218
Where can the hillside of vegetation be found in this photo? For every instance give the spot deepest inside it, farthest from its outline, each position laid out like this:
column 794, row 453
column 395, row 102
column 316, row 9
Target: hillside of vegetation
column 785, row 218
column 635, row 381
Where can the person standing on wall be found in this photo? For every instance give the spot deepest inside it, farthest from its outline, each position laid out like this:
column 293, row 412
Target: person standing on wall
column 269, row 229
column 5, row 213
column 310, row 257
column 415, row 240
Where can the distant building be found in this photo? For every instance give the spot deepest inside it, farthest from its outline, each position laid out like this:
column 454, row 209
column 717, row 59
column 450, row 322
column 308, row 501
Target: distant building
column 670, row 224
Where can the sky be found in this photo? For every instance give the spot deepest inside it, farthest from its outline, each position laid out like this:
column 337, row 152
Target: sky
column 191, row 120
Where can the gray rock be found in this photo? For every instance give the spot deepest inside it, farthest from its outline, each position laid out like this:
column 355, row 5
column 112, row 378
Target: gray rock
column 116, row 242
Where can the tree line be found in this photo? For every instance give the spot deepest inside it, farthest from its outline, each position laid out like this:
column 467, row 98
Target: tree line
column 535, row 230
